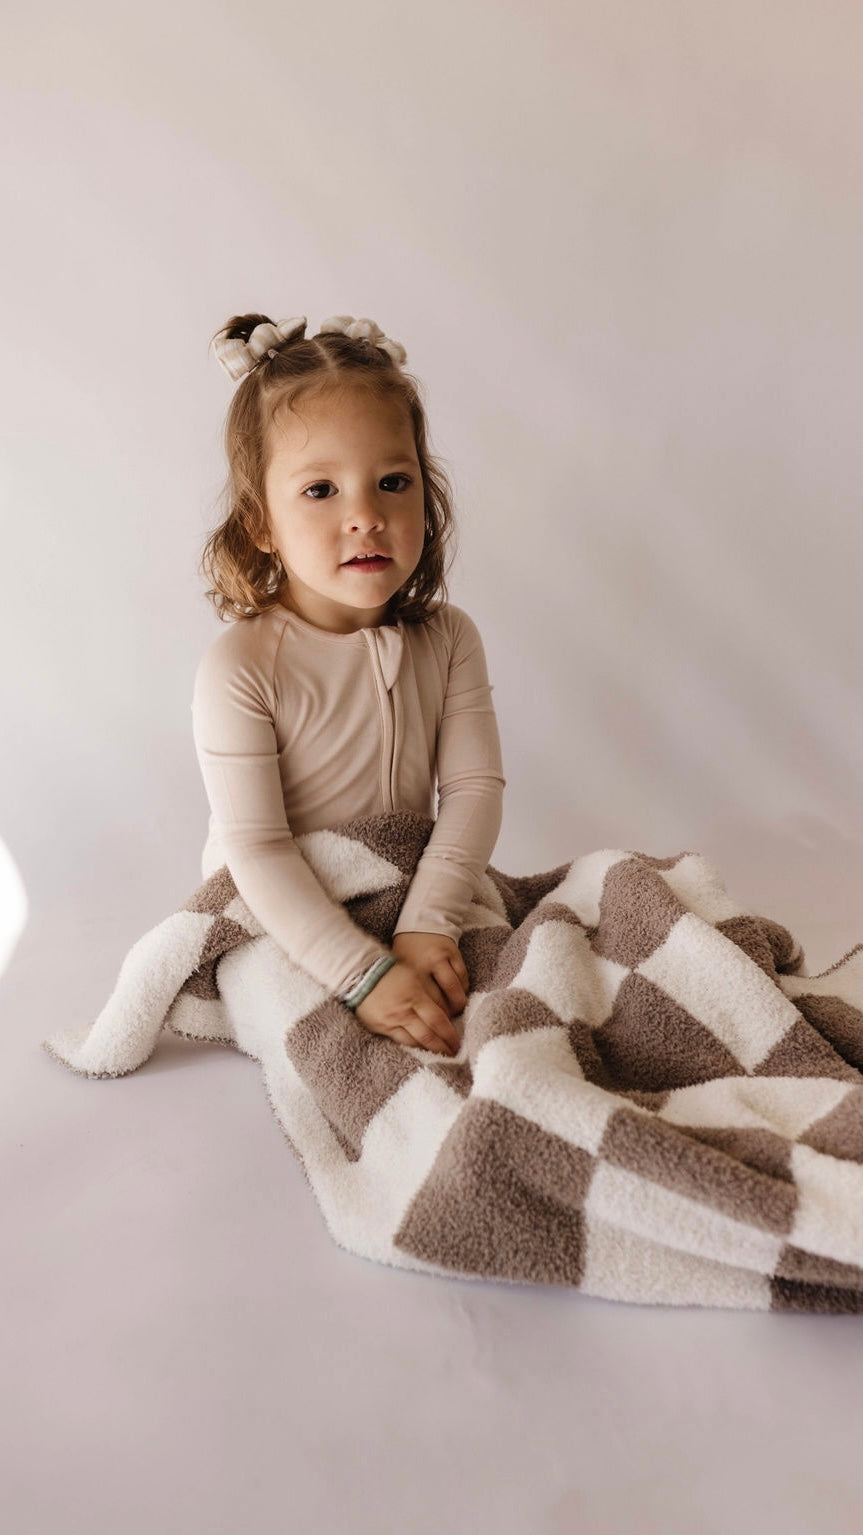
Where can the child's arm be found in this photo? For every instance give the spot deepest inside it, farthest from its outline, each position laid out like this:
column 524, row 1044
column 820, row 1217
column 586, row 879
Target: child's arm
column 235, row 742
column 470, row 795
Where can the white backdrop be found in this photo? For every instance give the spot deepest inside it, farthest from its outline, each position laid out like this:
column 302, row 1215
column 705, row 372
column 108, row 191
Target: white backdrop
column 622, row 246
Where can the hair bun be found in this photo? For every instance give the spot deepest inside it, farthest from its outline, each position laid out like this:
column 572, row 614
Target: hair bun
column 364, row 330
column 239, row 357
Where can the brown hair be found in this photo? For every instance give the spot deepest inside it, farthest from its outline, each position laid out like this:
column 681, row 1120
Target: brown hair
column 246, row 580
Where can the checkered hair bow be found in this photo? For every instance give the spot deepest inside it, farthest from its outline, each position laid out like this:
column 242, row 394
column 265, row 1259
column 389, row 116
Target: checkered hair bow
column 239, row 357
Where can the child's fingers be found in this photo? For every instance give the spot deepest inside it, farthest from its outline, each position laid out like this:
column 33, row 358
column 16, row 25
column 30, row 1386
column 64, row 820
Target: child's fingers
column 451, row 985
column 460, row 969
column 432, row 1027
column 417, row 1034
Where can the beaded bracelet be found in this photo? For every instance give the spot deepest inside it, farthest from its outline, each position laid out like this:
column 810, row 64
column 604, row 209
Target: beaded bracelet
column 365, row 983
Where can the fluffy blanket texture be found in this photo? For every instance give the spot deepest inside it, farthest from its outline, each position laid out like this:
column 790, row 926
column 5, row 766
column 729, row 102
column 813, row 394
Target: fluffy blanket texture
column 652, row 1103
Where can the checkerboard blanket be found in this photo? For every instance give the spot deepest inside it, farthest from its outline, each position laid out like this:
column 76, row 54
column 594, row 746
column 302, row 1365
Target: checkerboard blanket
column 652, row 1103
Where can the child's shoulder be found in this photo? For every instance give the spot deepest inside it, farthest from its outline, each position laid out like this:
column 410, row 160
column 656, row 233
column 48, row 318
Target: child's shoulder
column 451, row 620
column 243, row 644
column 455, row 625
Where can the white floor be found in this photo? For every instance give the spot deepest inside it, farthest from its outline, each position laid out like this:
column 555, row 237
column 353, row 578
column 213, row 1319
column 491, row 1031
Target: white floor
column 185, row 1349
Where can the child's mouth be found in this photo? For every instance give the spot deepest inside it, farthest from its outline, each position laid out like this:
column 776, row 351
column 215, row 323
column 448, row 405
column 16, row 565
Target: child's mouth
column 378, row 563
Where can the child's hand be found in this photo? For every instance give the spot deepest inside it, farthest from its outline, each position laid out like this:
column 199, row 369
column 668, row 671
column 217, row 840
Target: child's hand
column 438, row 962
column 401, row 1006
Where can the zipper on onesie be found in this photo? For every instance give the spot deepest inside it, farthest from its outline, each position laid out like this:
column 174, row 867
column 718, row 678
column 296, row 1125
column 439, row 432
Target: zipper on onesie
column 394, row 638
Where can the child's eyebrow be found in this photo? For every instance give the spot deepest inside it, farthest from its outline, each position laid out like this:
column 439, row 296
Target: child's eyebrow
column 399, row 457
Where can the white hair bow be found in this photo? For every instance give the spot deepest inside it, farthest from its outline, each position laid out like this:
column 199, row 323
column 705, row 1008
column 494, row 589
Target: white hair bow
column 238, row 356
column 365, row 329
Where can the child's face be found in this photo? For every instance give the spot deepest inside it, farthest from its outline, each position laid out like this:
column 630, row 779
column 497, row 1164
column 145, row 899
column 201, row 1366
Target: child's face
column 343, row 476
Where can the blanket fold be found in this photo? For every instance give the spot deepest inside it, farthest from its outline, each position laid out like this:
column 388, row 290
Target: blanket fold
column 653, row 1101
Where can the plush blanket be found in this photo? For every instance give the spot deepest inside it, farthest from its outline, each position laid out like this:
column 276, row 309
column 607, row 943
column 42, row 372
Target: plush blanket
column 653, row 1101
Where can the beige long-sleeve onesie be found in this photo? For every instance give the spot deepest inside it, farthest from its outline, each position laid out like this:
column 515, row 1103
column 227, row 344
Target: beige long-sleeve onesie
column 297, row 728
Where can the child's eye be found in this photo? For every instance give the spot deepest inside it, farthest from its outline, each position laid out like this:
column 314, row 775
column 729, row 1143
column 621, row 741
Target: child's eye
column 318, row 483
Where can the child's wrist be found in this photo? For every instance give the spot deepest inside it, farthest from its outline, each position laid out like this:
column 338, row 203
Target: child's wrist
column 363, row 984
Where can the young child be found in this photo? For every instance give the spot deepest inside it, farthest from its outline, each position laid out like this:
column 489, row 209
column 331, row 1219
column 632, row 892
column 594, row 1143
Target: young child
column 345, row 686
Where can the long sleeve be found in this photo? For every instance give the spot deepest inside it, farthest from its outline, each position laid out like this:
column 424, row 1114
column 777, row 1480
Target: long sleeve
column 470, row 795
column 236, row 747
